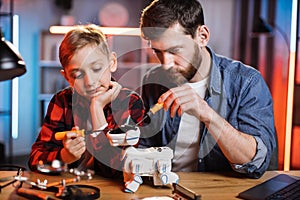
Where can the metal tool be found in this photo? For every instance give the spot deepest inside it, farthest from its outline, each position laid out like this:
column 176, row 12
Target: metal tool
column 182, row 193
column 151, row 112
column 82, row 132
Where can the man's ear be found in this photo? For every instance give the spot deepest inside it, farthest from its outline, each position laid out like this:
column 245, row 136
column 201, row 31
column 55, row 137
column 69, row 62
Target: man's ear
column 113, row 63
column 202, row 35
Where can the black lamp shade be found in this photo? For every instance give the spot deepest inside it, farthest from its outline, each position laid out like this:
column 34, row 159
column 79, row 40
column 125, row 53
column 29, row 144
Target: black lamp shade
column 11, row 62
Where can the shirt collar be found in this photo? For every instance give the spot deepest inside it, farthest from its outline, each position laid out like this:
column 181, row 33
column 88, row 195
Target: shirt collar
column 215, row 81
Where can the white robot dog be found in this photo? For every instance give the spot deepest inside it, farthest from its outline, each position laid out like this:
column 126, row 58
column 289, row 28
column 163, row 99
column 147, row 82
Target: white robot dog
column 154, row 162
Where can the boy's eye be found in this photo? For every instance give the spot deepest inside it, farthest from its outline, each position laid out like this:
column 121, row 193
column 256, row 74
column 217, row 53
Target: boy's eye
column 77, row 75
column 97, row 69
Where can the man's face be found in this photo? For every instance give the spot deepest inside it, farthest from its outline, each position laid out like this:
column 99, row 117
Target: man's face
column 178, row 53
column 89, row 71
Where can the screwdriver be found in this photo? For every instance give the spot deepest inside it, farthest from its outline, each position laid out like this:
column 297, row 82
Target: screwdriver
column 82, row 132
column 151, row 112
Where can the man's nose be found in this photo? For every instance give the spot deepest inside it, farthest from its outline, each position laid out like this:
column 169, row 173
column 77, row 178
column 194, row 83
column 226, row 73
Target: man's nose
column 167, row 60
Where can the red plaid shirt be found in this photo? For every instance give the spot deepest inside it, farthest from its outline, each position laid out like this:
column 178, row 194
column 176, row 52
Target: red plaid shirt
column 66, row 110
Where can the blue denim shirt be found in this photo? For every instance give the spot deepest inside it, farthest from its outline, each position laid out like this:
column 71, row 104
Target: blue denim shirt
column 236, row 92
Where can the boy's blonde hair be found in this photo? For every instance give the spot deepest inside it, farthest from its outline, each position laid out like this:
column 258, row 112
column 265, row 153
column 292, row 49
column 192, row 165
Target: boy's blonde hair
column 80, row 37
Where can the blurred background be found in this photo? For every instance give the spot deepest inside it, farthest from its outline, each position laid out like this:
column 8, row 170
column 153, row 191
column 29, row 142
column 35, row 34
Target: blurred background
column 257, row 32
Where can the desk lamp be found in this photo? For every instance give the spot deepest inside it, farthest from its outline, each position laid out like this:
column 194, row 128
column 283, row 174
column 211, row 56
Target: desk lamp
column 11, row 62
column 11, row 65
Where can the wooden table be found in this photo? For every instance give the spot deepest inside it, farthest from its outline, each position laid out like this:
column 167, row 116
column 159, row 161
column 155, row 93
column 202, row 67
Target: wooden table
column 210, row 185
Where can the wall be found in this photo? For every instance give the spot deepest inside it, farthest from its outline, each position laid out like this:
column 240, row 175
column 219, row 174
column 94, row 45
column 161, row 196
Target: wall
column 38, row 15
column 219, row 19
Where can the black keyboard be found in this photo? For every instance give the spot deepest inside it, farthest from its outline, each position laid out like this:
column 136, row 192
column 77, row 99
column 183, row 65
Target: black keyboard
column 290, row 192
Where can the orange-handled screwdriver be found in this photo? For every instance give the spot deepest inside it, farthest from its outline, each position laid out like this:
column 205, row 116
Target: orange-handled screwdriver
column 82, row 132
column 61, row 135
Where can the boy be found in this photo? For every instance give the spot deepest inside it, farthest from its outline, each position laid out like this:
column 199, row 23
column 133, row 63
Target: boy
column 92, row 102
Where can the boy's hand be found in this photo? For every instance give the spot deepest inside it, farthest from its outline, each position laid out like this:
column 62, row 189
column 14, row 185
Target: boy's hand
column 104, row 98
column 74, row 147
column 99, row 101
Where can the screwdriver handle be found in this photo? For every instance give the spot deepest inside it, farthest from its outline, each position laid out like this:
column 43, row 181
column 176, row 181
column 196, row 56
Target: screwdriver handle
column 61, row 135
column 156, row 107
column 151, row 112
column 34, row 193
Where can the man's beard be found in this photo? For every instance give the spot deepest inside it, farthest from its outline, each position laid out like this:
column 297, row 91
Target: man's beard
column 179, row 76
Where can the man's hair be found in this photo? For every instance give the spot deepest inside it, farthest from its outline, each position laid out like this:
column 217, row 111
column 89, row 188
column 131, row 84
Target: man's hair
column 162, row 14
column 80, row 37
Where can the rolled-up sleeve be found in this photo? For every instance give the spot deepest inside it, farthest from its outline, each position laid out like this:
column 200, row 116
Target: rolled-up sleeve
column 257, row 161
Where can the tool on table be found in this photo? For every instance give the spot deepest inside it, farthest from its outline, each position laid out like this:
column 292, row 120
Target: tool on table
column 180, row 192
column 11, row 179
column 31, row 193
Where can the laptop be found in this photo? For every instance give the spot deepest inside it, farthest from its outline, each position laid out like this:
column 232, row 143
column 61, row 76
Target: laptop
column 274, row 188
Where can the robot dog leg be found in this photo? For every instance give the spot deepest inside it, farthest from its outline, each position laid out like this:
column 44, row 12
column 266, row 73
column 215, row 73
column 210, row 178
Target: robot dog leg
column 154, row 161
column 163, row 175
column 132, row 178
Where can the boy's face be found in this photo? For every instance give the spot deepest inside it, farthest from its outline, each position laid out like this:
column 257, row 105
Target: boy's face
column 89, row 71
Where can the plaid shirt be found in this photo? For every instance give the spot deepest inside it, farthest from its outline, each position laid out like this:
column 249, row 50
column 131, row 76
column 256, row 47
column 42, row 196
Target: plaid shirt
column 68, row 109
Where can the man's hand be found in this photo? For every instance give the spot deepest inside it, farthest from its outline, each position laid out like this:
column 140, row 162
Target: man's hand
column 185, row 99
column 74, row 147
column 238, row 147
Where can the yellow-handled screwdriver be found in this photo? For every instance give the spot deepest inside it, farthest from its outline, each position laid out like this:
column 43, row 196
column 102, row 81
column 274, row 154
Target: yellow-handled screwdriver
column 151, row 112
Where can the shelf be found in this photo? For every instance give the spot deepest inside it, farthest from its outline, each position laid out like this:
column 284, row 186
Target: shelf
column 5, row 14
column 50, row 63
column 5, row 112
column 122, row 65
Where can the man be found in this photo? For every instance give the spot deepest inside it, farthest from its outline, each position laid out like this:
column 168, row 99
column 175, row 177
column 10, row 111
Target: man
column 218, row 113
